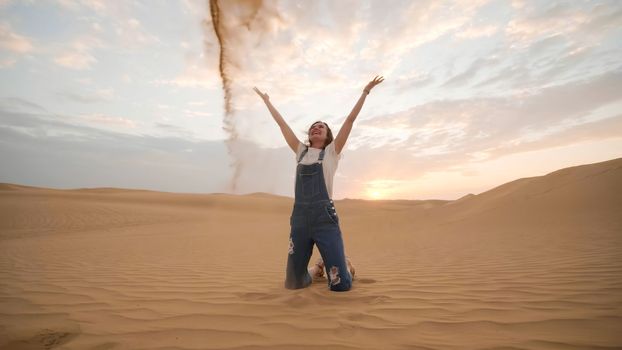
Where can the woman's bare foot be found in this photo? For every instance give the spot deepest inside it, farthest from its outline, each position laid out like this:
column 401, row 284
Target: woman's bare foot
column 317, row 270
column 350, row 267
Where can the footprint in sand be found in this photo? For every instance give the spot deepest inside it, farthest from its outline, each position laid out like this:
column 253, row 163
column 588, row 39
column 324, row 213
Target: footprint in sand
column 256, row 296
column 46, row 339
column 365, row 280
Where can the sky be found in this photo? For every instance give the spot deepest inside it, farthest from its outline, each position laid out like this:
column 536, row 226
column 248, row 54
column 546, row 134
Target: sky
column 128, row 94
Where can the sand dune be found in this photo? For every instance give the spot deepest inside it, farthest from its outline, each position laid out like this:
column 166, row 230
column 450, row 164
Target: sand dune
column 532, row 264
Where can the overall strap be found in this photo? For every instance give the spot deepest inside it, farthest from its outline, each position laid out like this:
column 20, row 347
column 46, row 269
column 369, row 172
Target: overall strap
column 321, row 157
column 303, row 154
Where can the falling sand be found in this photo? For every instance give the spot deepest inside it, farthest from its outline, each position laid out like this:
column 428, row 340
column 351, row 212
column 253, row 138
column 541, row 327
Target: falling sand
column 533, row 264
column 230, row 21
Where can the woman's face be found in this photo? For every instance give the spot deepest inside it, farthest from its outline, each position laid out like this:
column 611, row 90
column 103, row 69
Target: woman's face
column 318, row 133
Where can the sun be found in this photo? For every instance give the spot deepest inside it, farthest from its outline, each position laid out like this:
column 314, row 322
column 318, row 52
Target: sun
column 376, row 194
column 381, row 188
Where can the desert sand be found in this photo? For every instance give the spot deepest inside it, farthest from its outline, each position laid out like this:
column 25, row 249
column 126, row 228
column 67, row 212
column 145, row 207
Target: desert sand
column 532, row 264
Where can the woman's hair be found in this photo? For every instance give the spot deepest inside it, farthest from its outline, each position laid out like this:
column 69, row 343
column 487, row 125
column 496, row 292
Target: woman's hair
column 329, row 134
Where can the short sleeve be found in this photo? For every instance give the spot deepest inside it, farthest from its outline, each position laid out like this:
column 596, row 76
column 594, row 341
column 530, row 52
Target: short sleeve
column 333, row 152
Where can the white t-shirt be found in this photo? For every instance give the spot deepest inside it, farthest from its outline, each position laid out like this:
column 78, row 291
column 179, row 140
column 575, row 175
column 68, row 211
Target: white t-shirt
column 329, row 164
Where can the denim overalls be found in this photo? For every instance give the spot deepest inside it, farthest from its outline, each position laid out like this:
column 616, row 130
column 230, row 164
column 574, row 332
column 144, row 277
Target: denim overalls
column 314, row 220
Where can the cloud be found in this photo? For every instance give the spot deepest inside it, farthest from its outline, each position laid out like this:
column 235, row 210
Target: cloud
column 405, row 28
column 13, row 42
column 109, row 25
column 457, row 131
column 194, row 75
column 44, row 150
column 107, row 120
column 19, row 104
column 578, row 25
column 467, row 76
column 194, row 113
column 78, row 55
column 411, row 81
column 472, row 32
column 131, row 34
column 94, row 5
column 6, row 62
column 79, row 60
column 332, row 50
column 542, row 44
column 100, row 95
column 601, row 129
column 12, row 45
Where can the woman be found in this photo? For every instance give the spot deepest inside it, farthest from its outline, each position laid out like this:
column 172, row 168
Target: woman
column 314, row 219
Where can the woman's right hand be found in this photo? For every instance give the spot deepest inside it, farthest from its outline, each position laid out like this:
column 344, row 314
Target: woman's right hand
column 289, row 135
column 263, row 96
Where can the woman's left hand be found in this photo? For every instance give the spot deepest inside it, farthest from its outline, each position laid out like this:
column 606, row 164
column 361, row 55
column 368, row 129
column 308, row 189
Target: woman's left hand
column 377, row 80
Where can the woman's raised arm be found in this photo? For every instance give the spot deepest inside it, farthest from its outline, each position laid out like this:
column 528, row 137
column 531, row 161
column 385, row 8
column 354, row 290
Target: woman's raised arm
column 287, row 132
column 344, row 132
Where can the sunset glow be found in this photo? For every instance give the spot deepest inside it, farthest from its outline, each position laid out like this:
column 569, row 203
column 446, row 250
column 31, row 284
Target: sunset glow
column 381, row 189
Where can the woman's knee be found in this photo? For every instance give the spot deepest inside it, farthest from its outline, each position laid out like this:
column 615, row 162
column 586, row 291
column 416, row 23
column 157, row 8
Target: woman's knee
column 343, row 286
column 337, row 281
column 298, row 283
